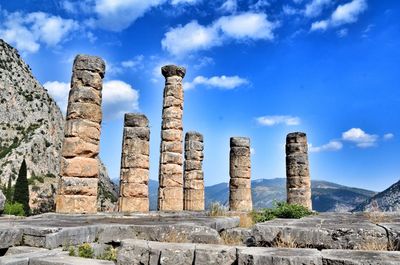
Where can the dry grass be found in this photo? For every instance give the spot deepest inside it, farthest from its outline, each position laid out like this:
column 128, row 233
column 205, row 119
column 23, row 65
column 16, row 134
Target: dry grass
column 218, row 209
column 376, row 216
column 246, row 220
column 175, row 237
column 231, row 239
column 373, row 245
column 285, row 242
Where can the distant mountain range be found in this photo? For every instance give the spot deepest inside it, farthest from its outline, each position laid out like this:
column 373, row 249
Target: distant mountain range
column 387, row 200
column 326, row 196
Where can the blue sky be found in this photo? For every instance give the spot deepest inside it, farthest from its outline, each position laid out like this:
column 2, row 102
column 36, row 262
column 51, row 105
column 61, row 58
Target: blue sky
column 256, row 68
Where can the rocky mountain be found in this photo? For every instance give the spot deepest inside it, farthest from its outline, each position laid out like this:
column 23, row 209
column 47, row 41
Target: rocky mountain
column 386, row 201
column 326, row 196
column 31, row 127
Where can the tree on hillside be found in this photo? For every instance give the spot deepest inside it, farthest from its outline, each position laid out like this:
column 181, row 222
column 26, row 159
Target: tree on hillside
column 9, row 190
column 21, row 192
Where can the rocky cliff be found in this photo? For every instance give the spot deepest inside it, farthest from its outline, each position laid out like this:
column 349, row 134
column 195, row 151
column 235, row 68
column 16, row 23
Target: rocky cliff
column 31, row 127
column 386, row 201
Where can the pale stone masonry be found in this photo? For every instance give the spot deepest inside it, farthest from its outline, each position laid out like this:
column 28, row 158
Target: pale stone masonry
column 298, row 184
column 134, row 178
column 170, row 191
column 193, row 186
column 240, row 175
column 77, row 191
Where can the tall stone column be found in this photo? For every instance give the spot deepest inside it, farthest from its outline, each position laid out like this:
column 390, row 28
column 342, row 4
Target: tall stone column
column 134, row 179
column 77, row 191
column 240, row 175
column 170, row 191
column 298, row 184
column 193, row 185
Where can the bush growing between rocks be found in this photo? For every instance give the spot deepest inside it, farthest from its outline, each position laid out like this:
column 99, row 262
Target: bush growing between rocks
column 14, row 208
column 281, row 210
column 85, row 251
column 217, row 209
column 109, row 254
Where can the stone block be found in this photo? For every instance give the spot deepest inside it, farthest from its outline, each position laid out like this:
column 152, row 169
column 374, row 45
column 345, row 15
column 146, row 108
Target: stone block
column 135, row 175
column 85, row 95
column 135, row 120
column 172, row 113
column 171, row 169
column 175, row 147
column 171, row 123
column 79, row 167
column 68, row 260
column 91, row 63
column 171, row 158
column 215, row 255
column 171, row 135
column 86, row 111
column 175, row 180
column 79, row 186
column 135, row 161
column 86, row 130
column 76, row 146
column 137, row 132
column 353, row 257
column 134, row 190
column 171, row 101
column 133, row 204
column 76, row 204
column 240, row 142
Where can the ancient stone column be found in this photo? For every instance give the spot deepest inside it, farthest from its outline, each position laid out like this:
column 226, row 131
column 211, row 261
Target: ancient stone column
column 170, row 191
column 193, row 178
column 134, row 190
column 298, row 184
column 77, row 191
column 240, row 175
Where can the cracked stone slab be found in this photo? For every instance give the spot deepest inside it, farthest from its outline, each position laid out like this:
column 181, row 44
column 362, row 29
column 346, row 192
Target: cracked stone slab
column 67, row 260
column 278, row 256
column 322, row 231
column 354, row 257
column 25, row 258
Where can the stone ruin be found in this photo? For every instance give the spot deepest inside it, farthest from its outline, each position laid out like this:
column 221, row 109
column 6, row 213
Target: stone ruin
column 181, row 182
column 193, row 183
column 240, row 175
column 170, row 190
column 298, row 183
column 77, row 191
column 134, row 179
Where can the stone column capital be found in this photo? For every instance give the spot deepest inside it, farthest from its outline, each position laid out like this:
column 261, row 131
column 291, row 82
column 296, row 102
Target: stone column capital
column 135, row 120
column 90, row 63
column 173, row 70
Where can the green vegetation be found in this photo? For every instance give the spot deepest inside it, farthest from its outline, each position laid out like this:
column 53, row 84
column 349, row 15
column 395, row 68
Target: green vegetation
column 85, row 251
column 282, row 210
column 35, row 178
column 14, row 208
column 71, row 251
column 9, row 190
column 109, row 254
column 21, row 192
column 5, row 150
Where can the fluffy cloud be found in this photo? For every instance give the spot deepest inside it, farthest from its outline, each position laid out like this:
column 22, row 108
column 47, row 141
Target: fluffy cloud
column 136, row 62
column 229, row 6
column 191, row 37
column 194, row 37
column 344, row 14
column 222, row 82
column 116, row 15
column 28, row 31
column 331, row 146
column 388, row 136
column 360, row 138
column 190, row 2
column 315, row 7
column 118, row 97
column 278, row 119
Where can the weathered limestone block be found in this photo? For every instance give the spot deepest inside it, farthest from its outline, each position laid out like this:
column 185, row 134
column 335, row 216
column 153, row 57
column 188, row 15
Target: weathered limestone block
column 240, row 175
column 134, row 190
column 352, row 257
column 170, row 191
column 298, row 183
column 79, row 165
column 193, row 175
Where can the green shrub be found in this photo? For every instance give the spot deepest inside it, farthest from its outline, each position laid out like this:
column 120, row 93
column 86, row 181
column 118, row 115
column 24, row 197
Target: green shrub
column 109, row 254
column 85, row 251
column 14, row 208
column 71, row 251
column 282, row 210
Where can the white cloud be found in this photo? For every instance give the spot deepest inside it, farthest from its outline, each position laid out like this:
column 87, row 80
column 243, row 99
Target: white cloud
column 288, row 10
column 344, row 14
column 118, row 97
column 59, row 92
column 195, row 37
column 360, row 138
column 315, row 7
column 229, row 6
column 388, row 136
column 260, row 4
column 28, row 31
column 116, row 15
column 331, row 146
column 278, row 119
column 222, row 82
column 190, row 2
column 342, row 33
column 136, row 62
column 191, row 37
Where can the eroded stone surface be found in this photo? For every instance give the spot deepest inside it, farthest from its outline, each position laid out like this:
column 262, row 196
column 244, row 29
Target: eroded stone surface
column 134, row 191
column 170, row 191
column 298, row 184
column 348, row 257
column 240, row 175
column 81, row 138
column 193, row 177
